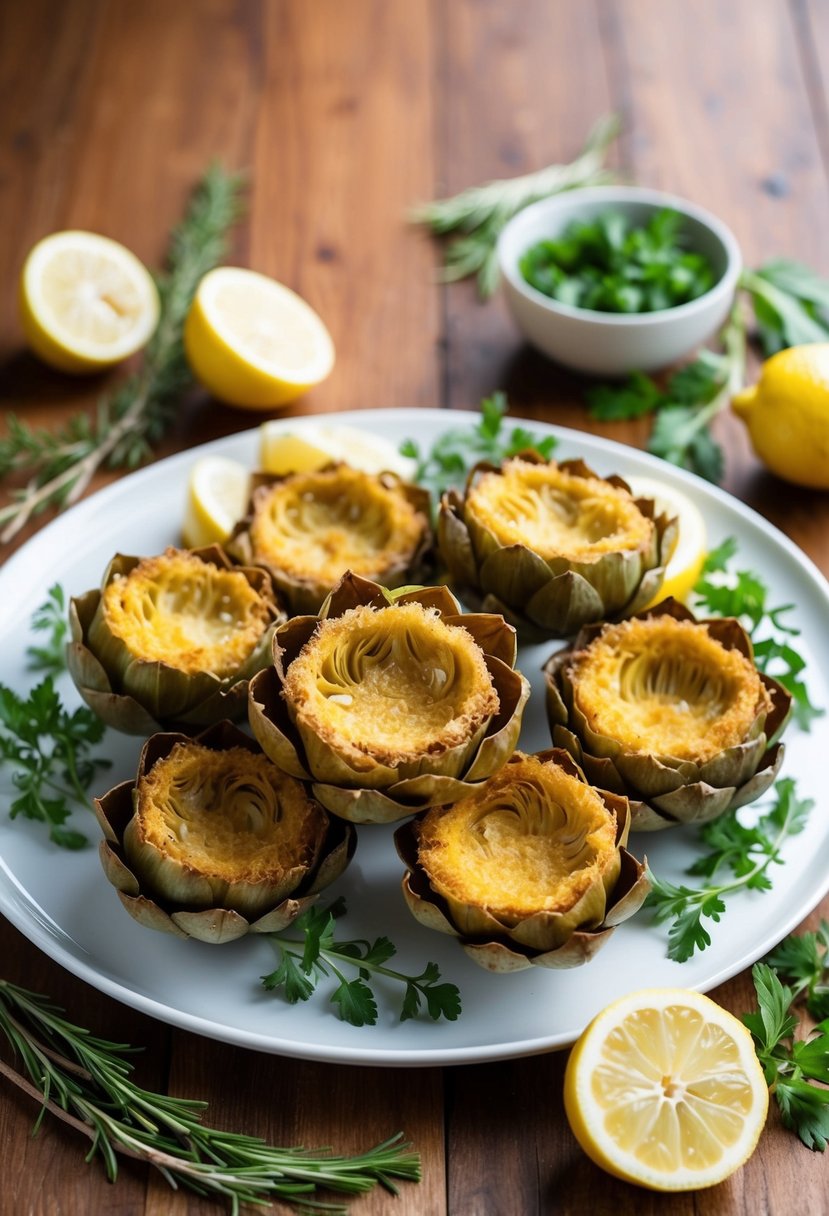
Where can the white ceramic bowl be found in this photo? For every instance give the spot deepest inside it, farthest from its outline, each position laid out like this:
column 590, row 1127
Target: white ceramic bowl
column 606, row 343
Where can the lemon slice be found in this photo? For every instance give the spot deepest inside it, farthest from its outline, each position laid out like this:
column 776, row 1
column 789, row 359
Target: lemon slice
column 253, row 342
column 286, row 447
column 217, row 494
column 685, row 564
column 664, row 1089
column 86, row 302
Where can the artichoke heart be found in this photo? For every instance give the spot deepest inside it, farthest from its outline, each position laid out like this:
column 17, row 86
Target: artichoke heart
column 529, row 869
column 553, row 546
column 670, row 711
column 389, row 702
column 212, row 841
column 171, row 639
column 307, row 529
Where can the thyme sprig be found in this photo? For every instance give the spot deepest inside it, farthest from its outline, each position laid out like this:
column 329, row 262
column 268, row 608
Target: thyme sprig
column 480, row 212
column 86, row 1082
column 121, row 433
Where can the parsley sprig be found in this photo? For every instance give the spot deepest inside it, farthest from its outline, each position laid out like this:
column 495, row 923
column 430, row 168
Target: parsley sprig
column 790, row 305
column 743, row 594
column 793, row 1064
column 50, row 618
column 86, row 1082
column 457, row 449
column 316, row 954
column 802, row 961
column 746, row 851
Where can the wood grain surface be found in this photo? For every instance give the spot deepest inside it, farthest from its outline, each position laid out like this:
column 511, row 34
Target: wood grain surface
column 344, row 113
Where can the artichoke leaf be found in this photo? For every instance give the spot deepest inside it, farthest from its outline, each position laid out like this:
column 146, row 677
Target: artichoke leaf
column 213, row 925
column 564, row 603
column 514, row 574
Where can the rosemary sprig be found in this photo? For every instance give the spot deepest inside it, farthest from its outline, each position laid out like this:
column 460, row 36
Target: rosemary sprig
column 85, row 1081
column 480, row 212
column 747, row 852
column 319, row 954
column 59, row 465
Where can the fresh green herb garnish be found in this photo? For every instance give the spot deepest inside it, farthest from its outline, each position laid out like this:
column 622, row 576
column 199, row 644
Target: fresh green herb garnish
column 59, row 465
column 458, row 449
column 747, row 852
column 85, row 1081
column 792, row 1065
column 50, row 618
column 319, row 954
column 802, row 961
column 48, row 749
column 743, row 594
column 791, row 306
column 607, row 265
column 481, row 212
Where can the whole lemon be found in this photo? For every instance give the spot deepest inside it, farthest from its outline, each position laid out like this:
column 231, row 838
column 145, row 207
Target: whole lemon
column 787, row 414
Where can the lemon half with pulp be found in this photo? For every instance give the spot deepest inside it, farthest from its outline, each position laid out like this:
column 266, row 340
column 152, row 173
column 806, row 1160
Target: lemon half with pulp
column 253, row 342
column 86, row 302
column 664, row 1089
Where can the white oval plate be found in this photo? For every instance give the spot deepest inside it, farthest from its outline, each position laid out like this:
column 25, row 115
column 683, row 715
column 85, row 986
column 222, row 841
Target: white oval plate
column 63, row 903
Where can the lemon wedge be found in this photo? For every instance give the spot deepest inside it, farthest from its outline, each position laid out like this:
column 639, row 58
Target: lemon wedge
column 253, row 342
column 288, row 447
column 86, row 302
column 664, row 1089
column 685, row 564
column 217, row 494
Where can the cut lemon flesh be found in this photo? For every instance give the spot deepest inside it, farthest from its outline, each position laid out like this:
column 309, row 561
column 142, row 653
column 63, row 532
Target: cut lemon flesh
column 217, row 494
column 664, row 1089
column 291, row 447
column 86, row 302
column 253, row 342
column 685, row 564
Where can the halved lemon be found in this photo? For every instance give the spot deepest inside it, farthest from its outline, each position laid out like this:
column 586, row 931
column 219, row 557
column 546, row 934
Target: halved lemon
column 686, row 561
column 86, row 302
column 217, row 495
column 253, row 342
column 664, row 1089
column 291, row 447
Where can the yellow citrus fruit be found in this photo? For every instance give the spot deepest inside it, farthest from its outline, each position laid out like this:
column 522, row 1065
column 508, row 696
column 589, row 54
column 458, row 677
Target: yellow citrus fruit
column 787, row 414
column 664, row 1089
column 685, row 564
column 217, row 494
column 252, row 342
column 86, row 302
column 286, row 447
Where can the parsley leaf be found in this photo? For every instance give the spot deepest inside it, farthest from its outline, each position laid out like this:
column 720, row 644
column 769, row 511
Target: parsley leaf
column 459, row 449
column 746, row 851
column 802, row 960
column 50, row 618
column 316, row 953
column 791, row 304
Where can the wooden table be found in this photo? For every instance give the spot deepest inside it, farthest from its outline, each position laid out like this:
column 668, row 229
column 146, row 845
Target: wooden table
column 344, row 112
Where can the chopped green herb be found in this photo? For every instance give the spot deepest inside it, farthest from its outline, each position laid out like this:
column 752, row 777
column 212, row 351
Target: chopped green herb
column 458, row 449
column 306, row 959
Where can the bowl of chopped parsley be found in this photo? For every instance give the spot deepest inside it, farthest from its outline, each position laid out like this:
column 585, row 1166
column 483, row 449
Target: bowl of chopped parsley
column 614, row 279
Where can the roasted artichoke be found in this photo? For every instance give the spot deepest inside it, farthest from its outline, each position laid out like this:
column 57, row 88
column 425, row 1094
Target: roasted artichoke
column 389, row 702
column 307, row 529
column 552, row 546
column 670, row 711
column 212, row 841
column 530, row 869
column 171, row 641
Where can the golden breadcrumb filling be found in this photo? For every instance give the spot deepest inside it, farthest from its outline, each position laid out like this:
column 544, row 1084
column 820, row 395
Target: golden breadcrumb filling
column 316, row 526
column 392, row 683
column 229, row 815
column 666, row 686
column 187, row 613
column 533, row 839
column 556, row 513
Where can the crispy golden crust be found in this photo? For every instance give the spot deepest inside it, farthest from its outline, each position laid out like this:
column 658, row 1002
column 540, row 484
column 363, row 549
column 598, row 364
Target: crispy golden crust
column 534, row 839
column 659, row 685
column 228, row 815
column 556, row 513
column 187, row 613
column 391, row 683
column 315, row 526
